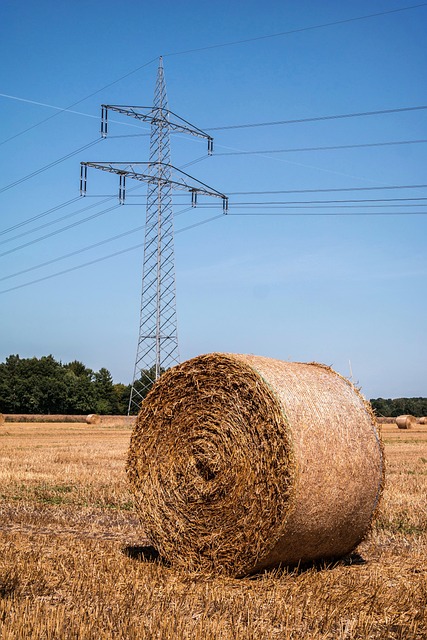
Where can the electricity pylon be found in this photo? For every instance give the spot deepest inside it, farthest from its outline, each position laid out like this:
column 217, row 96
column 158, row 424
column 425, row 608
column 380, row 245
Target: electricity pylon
column 157, row 348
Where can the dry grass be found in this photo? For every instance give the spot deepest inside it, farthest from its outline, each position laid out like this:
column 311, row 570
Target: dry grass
column 70, row 566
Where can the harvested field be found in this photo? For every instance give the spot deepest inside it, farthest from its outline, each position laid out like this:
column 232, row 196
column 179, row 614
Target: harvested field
column 71, row 563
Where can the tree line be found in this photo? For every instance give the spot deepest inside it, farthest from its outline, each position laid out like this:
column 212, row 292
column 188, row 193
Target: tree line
column 46, row 386
column 400, row 406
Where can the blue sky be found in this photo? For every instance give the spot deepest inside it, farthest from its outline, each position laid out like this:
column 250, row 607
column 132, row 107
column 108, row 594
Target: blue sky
column 345, row 290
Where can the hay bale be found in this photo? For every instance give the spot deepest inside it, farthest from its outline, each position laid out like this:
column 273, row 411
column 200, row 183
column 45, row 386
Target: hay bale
column 423, row 420
column 2, row 418
column 239, row 463
column 93, row 418
column 406, row 421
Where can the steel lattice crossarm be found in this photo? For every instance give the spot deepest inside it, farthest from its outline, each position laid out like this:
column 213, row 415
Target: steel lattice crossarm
column 155, row 116
column 158, row 173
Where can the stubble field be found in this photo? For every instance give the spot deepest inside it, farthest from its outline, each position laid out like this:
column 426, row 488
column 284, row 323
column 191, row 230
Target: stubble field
column 71, row 563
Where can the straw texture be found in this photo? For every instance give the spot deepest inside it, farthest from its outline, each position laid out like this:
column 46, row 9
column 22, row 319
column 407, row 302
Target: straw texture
column 239, row 463
column 406, row 421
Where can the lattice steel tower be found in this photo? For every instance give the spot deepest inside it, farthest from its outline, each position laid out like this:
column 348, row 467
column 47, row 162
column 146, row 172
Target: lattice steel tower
column 157, row 348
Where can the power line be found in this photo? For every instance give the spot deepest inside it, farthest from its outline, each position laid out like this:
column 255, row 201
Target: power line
column 343, row 214
column 69, row 215
column 83, row 249
column 48, row 224
column 216, row 46
column 301, row 120
column 337, row 116
column 64, row 109
column 52, row 222
column 292, row 31
column 324, row 202
column 54, row 233
column 378, row 188
column 39, row 215
column 50, row 165
column 138, row 246
column 326, row 148
column 303, row 204
column 282, row 191
column 110, row 84
column 284, row 205
column 111, row 255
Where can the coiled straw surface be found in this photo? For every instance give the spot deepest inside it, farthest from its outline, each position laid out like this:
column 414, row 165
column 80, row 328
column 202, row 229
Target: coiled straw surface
column 240, row 463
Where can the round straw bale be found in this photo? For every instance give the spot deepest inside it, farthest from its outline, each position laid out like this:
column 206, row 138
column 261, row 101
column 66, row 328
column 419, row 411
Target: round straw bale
column 93, row 418
column 406, row 421
column 423, row 420
column 240, row 463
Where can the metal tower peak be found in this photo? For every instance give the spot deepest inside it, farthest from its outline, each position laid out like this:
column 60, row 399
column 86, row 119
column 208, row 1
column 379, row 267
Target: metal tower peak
column 157, row 348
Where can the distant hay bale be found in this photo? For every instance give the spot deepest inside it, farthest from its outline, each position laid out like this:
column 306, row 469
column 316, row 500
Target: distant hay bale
column 239, row 463
column 423, row 420
column 27, row 417
column 406, row 421
column 1, row 418
column 93, row 418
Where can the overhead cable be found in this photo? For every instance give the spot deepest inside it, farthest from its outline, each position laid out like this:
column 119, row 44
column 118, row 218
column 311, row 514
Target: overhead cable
column 339, row 213
column 50, row 165
column 82, row 250
column 39, row 215
column 54, row 233
column 336, row 189
column 70, row 106
column 292, row 31
column 326, row 148
column 337, row 116
column 111, row 255
column 52, row 222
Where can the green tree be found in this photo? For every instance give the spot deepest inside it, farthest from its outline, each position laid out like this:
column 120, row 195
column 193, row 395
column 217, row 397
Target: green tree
column 44, row 385
column 105, row 398
column 122, row 394
column 32, row 385
column 81, row 397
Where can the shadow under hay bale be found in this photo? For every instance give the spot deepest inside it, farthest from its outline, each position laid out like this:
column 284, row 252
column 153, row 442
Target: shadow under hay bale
column 353, row 559
column 145, row 554
column 406, row 422
column 240, row 463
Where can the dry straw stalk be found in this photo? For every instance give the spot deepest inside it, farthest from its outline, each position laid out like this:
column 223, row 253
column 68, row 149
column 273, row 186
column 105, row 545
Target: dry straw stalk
column 239, row 463
column 406, row 422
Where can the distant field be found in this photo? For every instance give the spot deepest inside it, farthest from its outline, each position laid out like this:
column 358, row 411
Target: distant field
column 70, row 563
